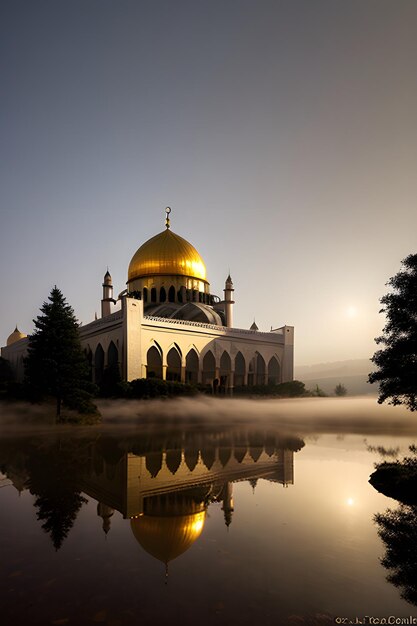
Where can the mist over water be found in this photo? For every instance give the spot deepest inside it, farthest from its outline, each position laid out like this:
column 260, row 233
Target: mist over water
column 361, row 415
column 358, row 415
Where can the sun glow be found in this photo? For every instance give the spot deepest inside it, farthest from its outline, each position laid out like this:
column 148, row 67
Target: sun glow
column 352, row 311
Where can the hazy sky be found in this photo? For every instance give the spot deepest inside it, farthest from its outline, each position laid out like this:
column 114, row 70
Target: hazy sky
column 282, row 133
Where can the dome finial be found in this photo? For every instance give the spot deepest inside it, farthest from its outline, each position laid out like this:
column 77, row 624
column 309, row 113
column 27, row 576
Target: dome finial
column 167, row 211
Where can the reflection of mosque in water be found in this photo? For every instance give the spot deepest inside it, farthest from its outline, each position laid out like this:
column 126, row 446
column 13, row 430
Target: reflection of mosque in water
column 166, row 487
column 165, row 483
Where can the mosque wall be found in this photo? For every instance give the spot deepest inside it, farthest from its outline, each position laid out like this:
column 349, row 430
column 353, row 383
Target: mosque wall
column 15, row 354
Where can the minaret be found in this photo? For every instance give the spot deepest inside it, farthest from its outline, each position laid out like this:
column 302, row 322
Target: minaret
column 107, row 299
column 228, row 507
column 105, row 512
column 228, row 301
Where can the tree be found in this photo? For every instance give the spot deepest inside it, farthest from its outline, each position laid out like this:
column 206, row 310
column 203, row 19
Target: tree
column 398, row 530
column 397, row 362
column 54, row 473
column 340, row 390
column 56, row 364
column 6, row 375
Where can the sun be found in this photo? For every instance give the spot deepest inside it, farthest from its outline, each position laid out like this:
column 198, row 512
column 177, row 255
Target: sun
column 352, row 311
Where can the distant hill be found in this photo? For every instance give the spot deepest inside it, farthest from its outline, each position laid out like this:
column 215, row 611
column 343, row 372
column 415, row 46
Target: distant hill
column 353, row 374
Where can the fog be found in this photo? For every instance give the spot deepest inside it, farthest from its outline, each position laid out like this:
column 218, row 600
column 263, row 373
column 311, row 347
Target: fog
column 301, row 416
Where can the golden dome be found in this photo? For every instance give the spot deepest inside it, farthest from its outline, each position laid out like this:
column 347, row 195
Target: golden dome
column 15, row 336
column 167, row 254
column 166, row 538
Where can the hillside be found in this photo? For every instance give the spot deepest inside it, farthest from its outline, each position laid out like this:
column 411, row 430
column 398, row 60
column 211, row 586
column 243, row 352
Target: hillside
column 353, row 374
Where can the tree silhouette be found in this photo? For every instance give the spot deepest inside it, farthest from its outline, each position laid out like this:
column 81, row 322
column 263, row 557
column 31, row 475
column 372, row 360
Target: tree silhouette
column 397, row 362
column 53, row 474
column 398, row 530
column 56, row 364
column 340, row 390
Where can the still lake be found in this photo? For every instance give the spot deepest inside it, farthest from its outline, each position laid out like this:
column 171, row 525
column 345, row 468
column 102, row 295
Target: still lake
column 205, row 511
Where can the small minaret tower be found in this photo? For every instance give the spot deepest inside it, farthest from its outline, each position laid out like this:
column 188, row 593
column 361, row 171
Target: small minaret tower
column 228, row 301
column 228, row 506
column 105, row 512
column 107, row 299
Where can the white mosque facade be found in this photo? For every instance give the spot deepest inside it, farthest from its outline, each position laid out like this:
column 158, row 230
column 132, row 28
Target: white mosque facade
column 167, row 324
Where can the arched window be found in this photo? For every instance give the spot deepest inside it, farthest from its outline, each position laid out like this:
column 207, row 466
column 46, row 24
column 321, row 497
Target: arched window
column 153, row 461
column 209, row 368
column 171, row 294
column 145, row 294
column 274, row 372
column 98, row 364
column 173, row 460
column 251, row 372
column 112, row 355
column 225, row 371
column 260, row 370
column 191, row 367
column 154, row 363
column 240, row 370
column 162, row 295
column 174, row 365
column 153, row 294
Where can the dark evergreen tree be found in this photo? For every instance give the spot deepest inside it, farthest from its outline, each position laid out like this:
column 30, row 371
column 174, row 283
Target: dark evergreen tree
column 397, row 362
column 56, row 364
column 55, row 469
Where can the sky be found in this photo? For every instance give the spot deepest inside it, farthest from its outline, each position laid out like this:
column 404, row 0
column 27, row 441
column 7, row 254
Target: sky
column 282, row 133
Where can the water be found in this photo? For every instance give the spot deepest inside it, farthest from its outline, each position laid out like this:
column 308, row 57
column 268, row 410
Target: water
column 233, row 513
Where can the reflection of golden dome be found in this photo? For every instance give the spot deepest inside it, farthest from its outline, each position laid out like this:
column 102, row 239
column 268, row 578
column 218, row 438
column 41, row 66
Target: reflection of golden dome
column 15, row 336
column 165, row 538
column 167, row 253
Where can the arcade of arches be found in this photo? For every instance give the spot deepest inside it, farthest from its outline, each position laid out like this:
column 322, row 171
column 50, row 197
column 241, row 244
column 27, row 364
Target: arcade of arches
column 193, row 368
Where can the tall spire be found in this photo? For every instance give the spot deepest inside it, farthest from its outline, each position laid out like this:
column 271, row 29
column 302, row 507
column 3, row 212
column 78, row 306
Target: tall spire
column 167, row 211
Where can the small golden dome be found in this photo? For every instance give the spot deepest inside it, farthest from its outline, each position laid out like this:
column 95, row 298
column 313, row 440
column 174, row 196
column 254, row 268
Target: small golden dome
column 15, row 336
column 167, row 254
column 165, row 538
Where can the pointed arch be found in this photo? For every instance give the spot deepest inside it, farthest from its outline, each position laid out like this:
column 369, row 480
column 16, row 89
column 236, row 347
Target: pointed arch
column 225, row 371
column 171, row 294
column 274, row 371
column 162, row 295
column 260, row 369
column 191, row 367
column 112, row 355
column 251, row 372
column 153, row 461
column 240, row 370
column 174, row 365
column 98, row 364
column 153, row 363
column 209, row 368
column 145, row 295
column 173, row 460
column 153, row 294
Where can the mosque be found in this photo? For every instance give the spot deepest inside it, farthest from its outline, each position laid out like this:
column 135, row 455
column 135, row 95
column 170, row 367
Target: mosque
column 167, row 324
